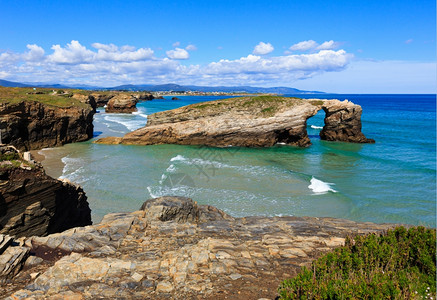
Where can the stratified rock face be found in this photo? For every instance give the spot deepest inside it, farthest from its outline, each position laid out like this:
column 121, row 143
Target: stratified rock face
column 248, row 122
column 121, row 103
column 102, row 99
column 32, row 125
column 143, row 96
column 343, row 123
column 177, row 249
column 32, row 203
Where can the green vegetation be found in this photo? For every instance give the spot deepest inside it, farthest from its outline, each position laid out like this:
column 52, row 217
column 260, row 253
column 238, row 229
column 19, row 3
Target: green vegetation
column 316, row 102
column 264, row 106
column 400, row 264
column 9, row 156
column 42, row 95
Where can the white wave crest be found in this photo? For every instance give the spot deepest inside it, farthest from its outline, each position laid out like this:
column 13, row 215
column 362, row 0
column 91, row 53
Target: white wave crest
column 178, row 158
column 316, row 127
column 320, row 187
column 128, row 123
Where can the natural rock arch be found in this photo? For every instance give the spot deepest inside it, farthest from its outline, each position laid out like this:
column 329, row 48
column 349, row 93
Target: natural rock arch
column 248, row 122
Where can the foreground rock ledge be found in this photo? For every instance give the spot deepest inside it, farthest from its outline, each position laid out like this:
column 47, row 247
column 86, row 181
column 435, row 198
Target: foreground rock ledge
column 172, row 248
column 261, row 121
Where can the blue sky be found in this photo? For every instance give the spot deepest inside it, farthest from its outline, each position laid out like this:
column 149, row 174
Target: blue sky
column 334, row 46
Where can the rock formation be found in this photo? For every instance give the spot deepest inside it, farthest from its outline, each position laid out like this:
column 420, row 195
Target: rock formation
column 173, row 249
column 102, row 99
column 32, row 203
column 122, row 103
column 33, row 125
column 248, row 122
column 143, row 96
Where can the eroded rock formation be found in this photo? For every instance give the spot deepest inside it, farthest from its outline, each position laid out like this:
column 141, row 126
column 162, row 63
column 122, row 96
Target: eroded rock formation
column 32, row 203
column 32, row 125
column 122, row 103
column 176, row 249
column 249, row 122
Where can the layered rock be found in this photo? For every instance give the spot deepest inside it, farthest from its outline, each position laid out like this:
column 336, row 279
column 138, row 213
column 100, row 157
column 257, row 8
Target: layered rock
column 33, row 125
column 248, row 122
column 343, row 123
column 32, row 203
column 122, row 103
column 177, row 249
column 143, row 96
column 102, row 99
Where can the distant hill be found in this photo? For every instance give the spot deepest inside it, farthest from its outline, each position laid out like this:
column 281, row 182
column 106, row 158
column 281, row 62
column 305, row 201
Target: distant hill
column 6, row 83
column 206, row 89
column 165, row 87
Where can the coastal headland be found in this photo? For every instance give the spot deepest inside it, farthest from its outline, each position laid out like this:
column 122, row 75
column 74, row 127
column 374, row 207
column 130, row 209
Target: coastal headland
column 257, row 121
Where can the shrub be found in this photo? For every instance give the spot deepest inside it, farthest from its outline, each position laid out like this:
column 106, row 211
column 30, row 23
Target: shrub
column 400, row 264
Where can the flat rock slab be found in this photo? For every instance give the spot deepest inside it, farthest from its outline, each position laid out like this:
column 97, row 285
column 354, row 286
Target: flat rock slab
column 187, row 256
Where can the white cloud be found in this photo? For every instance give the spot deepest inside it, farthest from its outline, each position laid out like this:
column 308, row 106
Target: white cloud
column 35, row 53
column 263, row 49
column 176, row 44
column 313, row 45
column 109, row 64
column 304, row 46
column 178, row 53
column 191, row 48
column 328, row 45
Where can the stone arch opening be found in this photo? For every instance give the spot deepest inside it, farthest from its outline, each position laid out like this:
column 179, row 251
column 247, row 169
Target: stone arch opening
column 315, row 124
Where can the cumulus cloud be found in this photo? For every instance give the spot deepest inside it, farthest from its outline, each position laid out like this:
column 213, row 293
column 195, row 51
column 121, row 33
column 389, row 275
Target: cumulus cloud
column 328, row 45
column 263, row 48
column 191, row 48
column 178, row 53
column 304, row 46
column 109, row 64
column 313, row 45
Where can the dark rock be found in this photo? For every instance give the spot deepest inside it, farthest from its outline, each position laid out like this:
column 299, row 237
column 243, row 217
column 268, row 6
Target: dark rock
column 32, row 125
column 181, row 210
column 32, row 203
column 175, row 98
column 102, row 99
column 343, row 123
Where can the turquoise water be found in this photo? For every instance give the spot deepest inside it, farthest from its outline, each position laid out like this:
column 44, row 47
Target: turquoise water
column 393, row 180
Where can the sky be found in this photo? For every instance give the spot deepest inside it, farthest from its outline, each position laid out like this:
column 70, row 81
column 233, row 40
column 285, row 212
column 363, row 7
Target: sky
column 353, row 46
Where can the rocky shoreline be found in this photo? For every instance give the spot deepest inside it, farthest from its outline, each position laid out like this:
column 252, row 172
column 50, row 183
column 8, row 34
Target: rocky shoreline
column 261, row 121
column 173, row 248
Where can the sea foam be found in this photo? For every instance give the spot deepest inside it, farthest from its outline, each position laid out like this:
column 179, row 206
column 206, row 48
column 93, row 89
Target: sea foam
column 316, row 127
column 320, row 187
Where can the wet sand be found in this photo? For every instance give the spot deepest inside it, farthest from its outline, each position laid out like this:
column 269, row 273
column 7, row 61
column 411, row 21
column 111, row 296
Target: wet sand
column 53, row 167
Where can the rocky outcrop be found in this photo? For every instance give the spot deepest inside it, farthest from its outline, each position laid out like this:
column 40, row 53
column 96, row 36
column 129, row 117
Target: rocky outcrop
column 248, row 122
column 32, row 203
column 143, row 96
column 176, row 249
column 343, row 123
column 33, row 125
column 88, row 99
column 102, row 99
column 122, row 103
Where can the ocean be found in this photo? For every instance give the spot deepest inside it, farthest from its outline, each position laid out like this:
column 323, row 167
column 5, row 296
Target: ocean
column 391, row 181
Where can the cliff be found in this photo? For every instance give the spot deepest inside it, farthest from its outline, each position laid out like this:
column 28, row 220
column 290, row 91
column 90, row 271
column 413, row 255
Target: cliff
column 172, row 248
column 29, row 120
column 32, row 203
column 261, row 121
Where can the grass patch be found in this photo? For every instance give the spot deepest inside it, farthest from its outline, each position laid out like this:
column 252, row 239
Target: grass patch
column 42, row 95
column 316, row 102
column 400, row 264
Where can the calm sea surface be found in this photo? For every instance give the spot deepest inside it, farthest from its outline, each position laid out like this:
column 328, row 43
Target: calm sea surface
column 393, row 180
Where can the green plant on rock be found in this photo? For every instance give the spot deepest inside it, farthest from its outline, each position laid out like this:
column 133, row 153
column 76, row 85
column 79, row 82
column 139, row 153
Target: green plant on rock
column 400, row 264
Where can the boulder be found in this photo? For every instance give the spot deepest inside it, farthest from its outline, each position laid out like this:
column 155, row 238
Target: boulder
column 122, row 103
